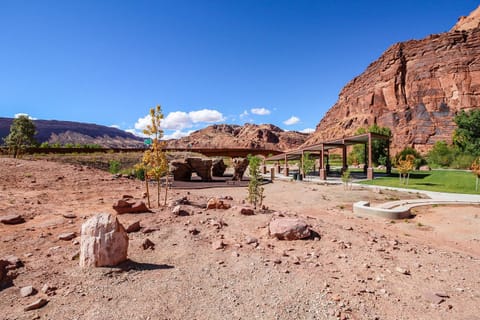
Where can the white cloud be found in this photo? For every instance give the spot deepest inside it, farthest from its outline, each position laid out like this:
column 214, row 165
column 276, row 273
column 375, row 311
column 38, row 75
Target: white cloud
column 292, row 120
column 177, row 134
column 307, row 130
column 17, row 115
column 116, row 126
column 176, row 121
column 244, row 114
column 260, row 111
column 206, row 115
column 179, row 120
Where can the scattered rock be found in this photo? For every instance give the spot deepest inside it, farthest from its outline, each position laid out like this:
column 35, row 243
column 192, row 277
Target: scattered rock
column 251, row 240
column 402, row 271
column 104, row 241
column 193, row 231
column 133, row 227
column 180, row 211
column 218, row 245
column 69, row 215
column 36, row 305
column 215, row 203
column 148, row 244
column 49, row 290
column 433, row 298
column 130, row 206
column 150, row 229
column 218, row 168
column 12, row 219
column 247, row 211
column 67, row 236
column 27, row 291
column 13, row 262
column 289, row 229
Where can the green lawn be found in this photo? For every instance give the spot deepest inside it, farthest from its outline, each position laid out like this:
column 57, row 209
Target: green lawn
column 435, row 180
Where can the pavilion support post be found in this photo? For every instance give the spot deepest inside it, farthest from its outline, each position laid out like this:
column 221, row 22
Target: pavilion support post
column 344, row 158
column 388, row 164
column 365, row 158
column 301, row 164
column 278, row 167
column 285, row 168
column 323, row 172
column 370, row 164
column 264, row 167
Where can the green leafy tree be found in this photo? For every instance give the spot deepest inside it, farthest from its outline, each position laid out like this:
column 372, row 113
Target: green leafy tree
column 21, row 136
column 255, row 190
column 441, row 155
column 475, row 167
column 467, row 134
column 379, row 147
column 307, row 164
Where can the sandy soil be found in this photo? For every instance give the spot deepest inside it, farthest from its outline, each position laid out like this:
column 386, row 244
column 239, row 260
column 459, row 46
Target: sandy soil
column 359, row 268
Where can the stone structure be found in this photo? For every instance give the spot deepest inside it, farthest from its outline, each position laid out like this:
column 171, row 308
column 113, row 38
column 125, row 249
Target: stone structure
column 239, row 166
column 218, row 168
column 182, row 170
column 415, row 88
column 104, row 241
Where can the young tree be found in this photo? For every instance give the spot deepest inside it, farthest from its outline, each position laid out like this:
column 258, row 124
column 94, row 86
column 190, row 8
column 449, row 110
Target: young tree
column 155, row 161
column 476, row 171
column 255, row 190
column 404, row 166
column 21, row 136
column 307, row 164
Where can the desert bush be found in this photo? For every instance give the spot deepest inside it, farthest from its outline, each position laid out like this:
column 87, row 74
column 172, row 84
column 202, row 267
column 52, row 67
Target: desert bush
column 441, row 155
column 255, row 190
column 114, row 166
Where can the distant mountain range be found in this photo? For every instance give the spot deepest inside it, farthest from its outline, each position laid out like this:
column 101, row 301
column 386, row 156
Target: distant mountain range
column 63, row 132
column 251, row 136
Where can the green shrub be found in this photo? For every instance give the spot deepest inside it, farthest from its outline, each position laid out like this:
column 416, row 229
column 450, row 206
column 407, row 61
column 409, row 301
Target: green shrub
column 402, row 155
column 113, row 166
column 462, row 161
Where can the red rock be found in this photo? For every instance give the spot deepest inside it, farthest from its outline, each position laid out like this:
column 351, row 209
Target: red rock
column 67, row 236
column 130, row 206
column 27, row 291
column 12, row 219
column 215, row 203
column 134, row 227
column 247, row 211
column 415, row 88
column 289, row 229
column 148, row 244
column 36, row 305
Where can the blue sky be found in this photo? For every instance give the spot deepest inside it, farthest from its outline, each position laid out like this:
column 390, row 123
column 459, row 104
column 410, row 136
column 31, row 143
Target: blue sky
column 279, row 62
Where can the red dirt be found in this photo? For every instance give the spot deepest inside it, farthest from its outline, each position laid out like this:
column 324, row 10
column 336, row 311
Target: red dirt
column 354, row 271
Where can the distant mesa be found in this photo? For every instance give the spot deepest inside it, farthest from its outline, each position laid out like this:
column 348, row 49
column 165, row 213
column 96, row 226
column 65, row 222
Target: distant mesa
column 415, row 88
column 63, row 132
column 248, row 136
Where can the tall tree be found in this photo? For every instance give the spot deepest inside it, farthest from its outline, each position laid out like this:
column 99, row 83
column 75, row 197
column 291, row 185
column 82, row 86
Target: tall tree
column 21, row 136
column 467, row 134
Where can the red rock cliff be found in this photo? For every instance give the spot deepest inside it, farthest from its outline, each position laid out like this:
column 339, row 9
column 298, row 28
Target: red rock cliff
column 415, row 88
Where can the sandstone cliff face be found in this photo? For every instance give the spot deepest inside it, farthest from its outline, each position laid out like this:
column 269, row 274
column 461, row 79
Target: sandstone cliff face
column 251, row 136
column 415, row 88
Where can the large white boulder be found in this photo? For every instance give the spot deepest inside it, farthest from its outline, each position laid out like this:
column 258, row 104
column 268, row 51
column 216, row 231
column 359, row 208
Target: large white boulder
column 104, row 241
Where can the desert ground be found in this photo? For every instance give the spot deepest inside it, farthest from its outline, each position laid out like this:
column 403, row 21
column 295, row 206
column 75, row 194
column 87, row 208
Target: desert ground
column 427, row 267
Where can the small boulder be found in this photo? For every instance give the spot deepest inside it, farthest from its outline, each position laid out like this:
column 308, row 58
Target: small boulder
column 36, row 305
column 148, row 244
column 69, row 215
column 27, row 291
column 134, row 227
column 130, row 206
column 180, row 211
column 424, row 168
column 218, row 245
column 215, row 203
column 289, row 229
column 12, row 219
column 67, row 236
column 104, row 241
column 247, row 211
